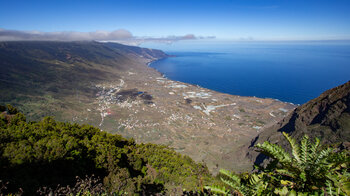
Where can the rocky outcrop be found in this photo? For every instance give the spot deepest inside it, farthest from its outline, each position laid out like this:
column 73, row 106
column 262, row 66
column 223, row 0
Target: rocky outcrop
column 326, row 117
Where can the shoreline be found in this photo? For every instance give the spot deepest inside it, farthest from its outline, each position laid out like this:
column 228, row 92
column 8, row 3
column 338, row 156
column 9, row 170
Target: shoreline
column 164, row 76
column 196, row 121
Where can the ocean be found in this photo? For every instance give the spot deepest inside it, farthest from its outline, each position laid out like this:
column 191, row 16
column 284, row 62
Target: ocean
column 293, row 72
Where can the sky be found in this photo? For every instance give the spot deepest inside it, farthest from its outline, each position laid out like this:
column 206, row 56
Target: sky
column 177, row 19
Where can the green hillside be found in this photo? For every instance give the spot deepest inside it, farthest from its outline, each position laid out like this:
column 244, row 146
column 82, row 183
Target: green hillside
column 59, row 78
column 48, row 154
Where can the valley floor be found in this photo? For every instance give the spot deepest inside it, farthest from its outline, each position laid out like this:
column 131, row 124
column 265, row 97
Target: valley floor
column 206, row 125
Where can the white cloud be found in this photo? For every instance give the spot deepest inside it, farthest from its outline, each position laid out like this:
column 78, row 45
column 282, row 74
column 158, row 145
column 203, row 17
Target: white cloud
column 120, row 35
column 12, row 35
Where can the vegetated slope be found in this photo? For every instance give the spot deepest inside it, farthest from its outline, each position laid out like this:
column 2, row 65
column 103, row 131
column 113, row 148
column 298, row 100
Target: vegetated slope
column 134, row 50
column 49, row 153
column 110, row 86
column 326, row 117
column 42, row 74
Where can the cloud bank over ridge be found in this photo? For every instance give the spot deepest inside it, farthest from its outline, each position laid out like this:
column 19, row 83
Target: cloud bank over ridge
column 120, row 35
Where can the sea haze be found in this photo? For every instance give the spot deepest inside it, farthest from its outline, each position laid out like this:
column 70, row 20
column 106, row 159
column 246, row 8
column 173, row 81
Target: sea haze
column 291, row 71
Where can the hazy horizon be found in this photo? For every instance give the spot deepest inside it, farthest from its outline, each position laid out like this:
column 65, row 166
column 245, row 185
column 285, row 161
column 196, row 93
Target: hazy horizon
column 137, row 21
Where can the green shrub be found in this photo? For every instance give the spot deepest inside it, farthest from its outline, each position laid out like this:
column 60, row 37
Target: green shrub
column 11, row 109
column 48, row 153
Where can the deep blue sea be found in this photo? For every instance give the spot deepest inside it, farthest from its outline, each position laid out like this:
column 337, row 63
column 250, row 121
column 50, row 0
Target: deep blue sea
column 292, row 71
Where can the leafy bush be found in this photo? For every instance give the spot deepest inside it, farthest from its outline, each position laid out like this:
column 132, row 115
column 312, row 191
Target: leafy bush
column 312, row 169
column 48, row 153
column 11, row 109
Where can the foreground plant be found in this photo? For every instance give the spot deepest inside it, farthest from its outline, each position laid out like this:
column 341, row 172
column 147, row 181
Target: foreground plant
column 310, row 169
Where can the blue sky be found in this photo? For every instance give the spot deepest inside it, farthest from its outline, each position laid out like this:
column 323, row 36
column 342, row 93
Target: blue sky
column 225, row 19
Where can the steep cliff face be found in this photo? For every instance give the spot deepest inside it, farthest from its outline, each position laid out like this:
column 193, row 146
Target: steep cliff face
column 326, row 117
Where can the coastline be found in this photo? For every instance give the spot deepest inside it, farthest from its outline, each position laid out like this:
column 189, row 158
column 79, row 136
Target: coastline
column 163, row 74
column 142, row 103
column 204, row 124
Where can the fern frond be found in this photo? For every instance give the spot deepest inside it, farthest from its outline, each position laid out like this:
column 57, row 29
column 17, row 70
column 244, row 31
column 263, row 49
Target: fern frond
column 342, row 182
column 338, row 159
column 295, row 147
column 274, row 151
column 231, row 184
column 304, row 150
column 254, row 179
column 217, row 189
column 329, row 188
column 323, row 155
column 286, row 172
column 231, row 176
column 314, row 148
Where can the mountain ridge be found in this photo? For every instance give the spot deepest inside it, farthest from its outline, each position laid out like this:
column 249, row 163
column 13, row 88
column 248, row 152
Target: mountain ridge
column 35, row 69
column 326, row 117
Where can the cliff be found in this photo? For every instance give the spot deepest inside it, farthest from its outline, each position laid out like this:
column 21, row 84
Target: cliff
column 326, row 117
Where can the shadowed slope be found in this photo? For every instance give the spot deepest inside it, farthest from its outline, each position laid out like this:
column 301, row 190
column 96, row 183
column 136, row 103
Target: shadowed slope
column 326, row 117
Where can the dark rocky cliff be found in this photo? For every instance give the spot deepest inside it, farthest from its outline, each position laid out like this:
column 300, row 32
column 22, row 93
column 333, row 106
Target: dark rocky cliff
column 326, row 117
